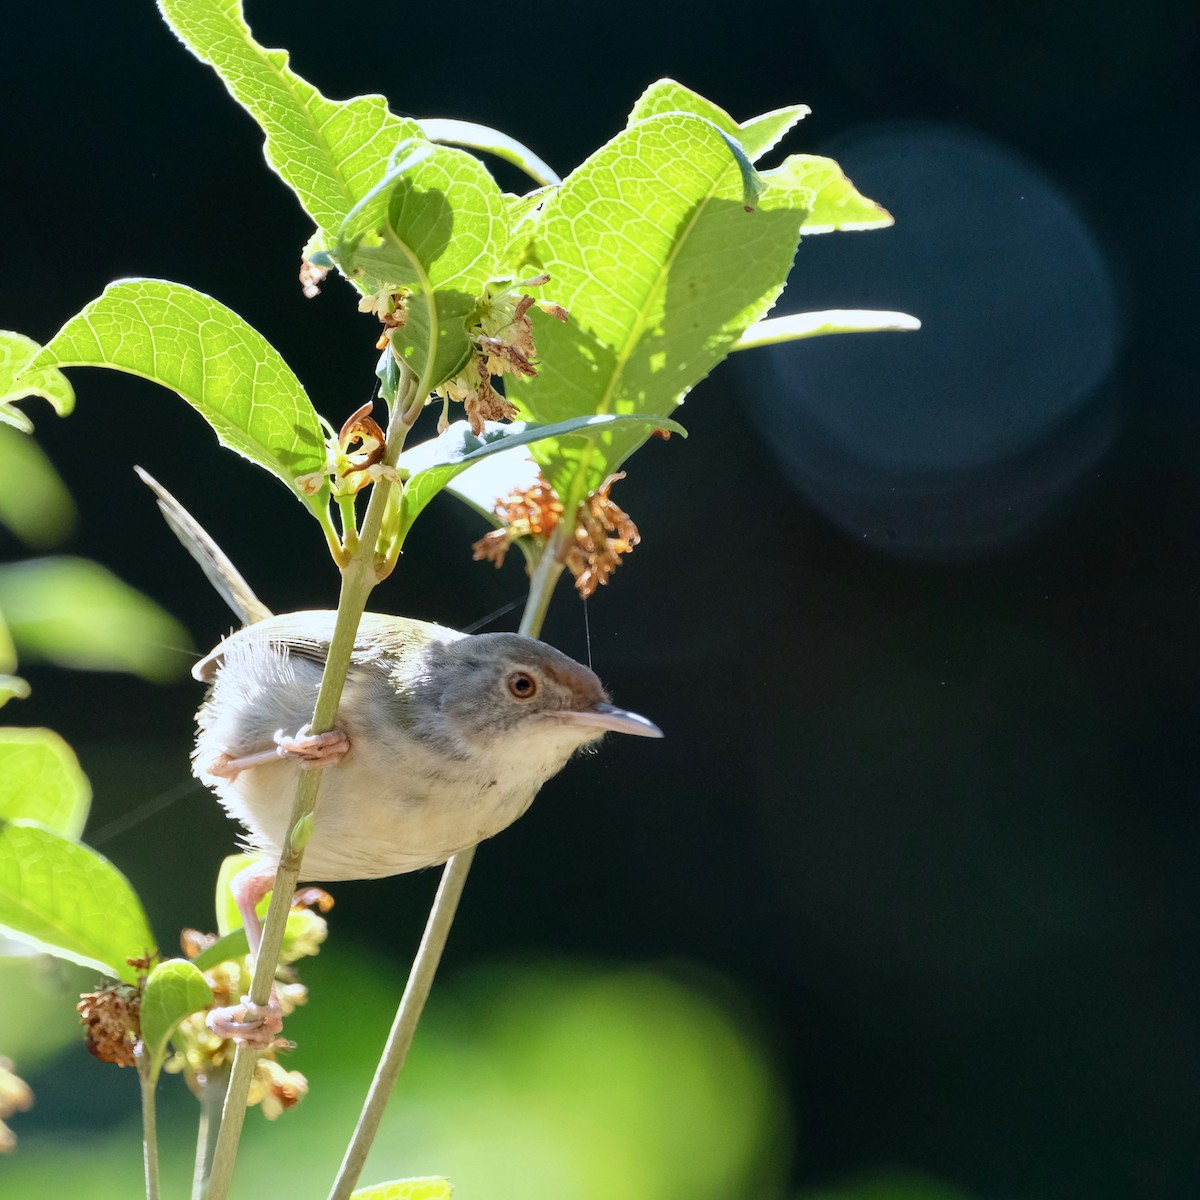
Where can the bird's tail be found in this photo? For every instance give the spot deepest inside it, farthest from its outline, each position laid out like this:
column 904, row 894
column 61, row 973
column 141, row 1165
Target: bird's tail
column 214, row 562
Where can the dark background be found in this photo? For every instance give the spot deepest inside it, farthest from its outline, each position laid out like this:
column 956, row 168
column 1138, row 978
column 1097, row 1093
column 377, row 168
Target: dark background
column 918, row 613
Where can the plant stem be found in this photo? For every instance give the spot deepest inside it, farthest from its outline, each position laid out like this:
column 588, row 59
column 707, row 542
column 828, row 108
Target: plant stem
column 212, row 1097
column 433, row 941
column 149, row 1079
column 358, row 578
column 416, row 992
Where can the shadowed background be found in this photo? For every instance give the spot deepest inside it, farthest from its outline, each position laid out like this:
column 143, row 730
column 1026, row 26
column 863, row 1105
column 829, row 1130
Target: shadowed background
column 905, row 904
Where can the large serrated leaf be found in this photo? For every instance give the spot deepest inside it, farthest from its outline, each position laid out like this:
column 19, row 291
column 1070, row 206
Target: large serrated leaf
column 67, row 900
column 437, row 225
column 194, row 345
column 651, row 249
column 174, row 990
column 17, row 381
column 41, row 780
column 757, row 135
column 75, row 613
column 433, row 464
column 328, row 152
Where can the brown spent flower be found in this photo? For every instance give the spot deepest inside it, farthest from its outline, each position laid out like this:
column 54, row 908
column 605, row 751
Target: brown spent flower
column 526, row 512
column 110, row 1018
column 595, row 554
column 535, row 511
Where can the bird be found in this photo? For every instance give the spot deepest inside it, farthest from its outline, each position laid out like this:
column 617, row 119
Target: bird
column 442, row 739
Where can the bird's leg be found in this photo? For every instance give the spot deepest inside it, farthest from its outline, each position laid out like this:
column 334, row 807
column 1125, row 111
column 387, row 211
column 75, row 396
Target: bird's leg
column 311, row 749
column 251, row 1024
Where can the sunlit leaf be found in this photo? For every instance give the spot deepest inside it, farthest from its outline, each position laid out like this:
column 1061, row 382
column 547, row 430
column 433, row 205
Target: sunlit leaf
column 17, row 381
column 757, row 135
column 34, row 501
column 41, row 780
column 230, row 946
column 829, row 201
column 74, row 613
column 653, row 311
column 428, row 1188
column 67, row 900
column 227, row 371
column 481, row 137
column 436, row 224
column 329, row 152
column 174, row 990
column 432, row 465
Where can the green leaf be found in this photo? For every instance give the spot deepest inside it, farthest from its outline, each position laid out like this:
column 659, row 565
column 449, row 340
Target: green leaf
column 174, row 990
column 432, row 465
column 819, row 324
column 230, row 946
column 650, row 248
column 327, row 151
column 437, row 225
column 757, row 136
column 481, row 137
column 41, row 780
column 227, row 371
column 829, row 201
column 34, row 501
column 74, row 613
column 67, row 900
column 17, row 381
column 428, row 1188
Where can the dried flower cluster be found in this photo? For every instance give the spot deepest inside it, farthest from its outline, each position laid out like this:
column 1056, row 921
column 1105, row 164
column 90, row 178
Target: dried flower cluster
column 109, row 1016
column 15, row 1097
column 501, row 339
column 594, row 554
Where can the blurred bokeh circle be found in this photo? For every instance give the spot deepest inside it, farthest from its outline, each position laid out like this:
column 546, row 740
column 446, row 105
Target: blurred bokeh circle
column 956, row 438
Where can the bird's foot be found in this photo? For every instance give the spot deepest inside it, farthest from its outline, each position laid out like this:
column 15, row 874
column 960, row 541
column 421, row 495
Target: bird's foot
column 249, row 1024
column 313, row 749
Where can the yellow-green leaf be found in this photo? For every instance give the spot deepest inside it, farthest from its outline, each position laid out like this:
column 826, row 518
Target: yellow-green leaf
column 174, row 990
column 75, row 613
column 67, row 900
column 428, row 1188
column 17, row 381
column 41, row 780
column 189, row 342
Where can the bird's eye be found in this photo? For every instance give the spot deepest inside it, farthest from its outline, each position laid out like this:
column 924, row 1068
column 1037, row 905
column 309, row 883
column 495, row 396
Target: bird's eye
column 522, row 685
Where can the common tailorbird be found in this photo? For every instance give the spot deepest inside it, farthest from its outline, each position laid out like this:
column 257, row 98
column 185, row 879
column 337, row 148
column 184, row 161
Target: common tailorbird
column 442, row 739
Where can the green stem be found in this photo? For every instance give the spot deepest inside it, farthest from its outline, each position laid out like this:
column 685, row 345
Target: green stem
column 433, row 941
column 358, row 579
column 212, row 1097
column 149, row 1079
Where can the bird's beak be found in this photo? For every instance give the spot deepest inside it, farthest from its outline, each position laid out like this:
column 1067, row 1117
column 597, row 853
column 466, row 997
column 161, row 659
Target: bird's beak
column 608, row 716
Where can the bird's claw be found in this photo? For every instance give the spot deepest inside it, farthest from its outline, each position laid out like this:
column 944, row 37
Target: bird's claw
column 250, row 1024
column 313, row 749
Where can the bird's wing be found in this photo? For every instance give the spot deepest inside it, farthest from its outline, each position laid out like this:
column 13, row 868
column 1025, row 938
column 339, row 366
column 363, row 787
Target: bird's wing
column 214, row 562
column 307, row 635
